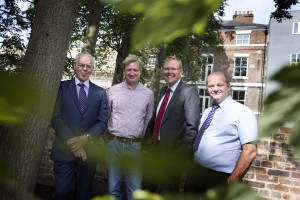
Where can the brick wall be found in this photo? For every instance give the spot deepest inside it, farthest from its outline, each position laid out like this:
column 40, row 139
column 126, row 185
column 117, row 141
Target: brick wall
column 274, row 173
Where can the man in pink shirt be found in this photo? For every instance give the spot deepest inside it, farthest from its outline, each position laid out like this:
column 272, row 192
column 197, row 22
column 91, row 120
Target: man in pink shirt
column 131, row 107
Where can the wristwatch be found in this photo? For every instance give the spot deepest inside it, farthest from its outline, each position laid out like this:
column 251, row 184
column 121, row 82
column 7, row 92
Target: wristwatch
column 88, row 136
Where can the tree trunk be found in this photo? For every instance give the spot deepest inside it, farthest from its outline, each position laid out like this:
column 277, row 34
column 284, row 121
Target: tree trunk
column 123, row 52
column 161, row 54
column 92, row 29
column 22, row 146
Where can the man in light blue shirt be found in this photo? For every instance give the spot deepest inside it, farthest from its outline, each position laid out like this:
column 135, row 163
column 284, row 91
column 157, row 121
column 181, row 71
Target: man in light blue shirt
column 227, row 145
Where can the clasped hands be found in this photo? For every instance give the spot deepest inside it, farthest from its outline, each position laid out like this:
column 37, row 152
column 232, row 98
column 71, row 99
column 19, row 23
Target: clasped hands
column 76, row 145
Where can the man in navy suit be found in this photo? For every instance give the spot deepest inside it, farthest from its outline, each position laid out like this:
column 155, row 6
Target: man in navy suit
column 176, row 132
column 75, row 127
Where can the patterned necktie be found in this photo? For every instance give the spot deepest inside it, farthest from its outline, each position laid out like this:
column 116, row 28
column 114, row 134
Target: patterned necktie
column 204, row 126
column 160, row 115
column 82, row 97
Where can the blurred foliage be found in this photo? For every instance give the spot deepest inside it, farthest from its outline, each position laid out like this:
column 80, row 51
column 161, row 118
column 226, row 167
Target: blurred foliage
column 16, row 98
column 282, row 9
column 282, row 107
column 166, row 20
column 156, row 164
column 106, row 197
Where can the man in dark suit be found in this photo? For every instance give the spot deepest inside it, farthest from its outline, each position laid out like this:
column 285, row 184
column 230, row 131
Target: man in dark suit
column 174, row 129
column 80, row 116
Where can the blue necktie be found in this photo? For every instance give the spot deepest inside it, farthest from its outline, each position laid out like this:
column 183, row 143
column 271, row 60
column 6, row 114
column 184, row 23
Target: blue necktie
column 82, row 97
column 204, row 126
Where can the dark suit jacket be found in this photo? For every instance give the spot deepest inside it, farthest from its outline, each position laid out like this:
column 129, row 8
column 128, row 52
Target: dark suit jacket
column 180, row 122
column 68, row 121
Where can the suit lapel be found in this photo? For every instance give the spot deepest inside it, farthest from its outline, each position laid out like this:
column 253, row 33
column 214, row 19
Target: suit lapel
column 90, row 95
column 73, row 90
column 172, row 102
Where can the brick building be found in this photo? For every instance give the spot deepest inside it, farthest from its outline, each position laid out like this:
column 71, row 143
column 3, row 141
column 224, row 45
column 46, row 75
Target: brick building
column 245, row 48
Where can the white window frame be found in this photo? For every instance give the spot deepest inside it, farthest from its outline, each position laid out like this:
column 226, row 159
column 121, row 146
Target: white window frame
column 296, row 27
column 243, row 38
column 238, row 100
column 242, row 32
column 296, row 60
column 208, row 67
column 204, row 100
column 234, row 67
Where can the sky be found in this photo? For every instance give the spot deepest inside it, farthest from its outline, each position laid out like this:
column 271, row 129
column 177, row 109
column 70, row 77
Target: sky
column 261, row 9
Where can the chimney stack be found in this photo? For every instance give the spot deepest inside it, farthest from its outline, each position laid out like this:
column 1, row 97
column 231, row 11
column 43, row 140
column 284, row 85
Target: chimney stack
column 243, row 16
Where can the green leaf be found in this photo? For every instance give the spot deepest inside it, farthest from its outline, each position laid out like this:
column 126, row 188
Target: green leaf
column 295, row 137
column 288, row 76
column 106, row 197
column 169, row 19
column 16, row 98
column 282, row 107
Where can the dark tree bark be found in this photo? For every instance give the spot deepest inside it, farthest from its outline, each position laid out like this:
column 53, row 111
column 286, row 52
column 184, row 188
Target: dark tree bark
column 22, row 146
column 92, row 29
column 123, row 52
column 161, row 56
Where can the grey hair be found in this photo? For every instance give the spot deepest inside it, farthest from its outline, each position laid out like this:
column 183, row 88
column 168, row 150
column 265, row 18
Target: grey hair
column 77, row 57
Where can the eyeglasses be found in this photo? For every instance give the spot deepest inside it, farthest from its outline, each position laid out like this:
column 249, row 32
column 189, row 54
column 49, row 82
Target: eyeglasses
column 82, row 66
column 172, row 69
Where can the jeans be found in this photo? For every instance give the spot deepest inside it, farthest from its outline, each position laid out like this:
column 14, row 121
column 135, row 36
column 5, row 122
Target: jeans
column 130, row 167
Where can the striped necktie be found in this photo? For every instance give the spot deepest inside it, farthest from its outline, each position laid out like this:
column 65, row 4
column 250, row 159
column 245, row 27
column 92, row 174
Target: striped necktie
column 204, row 126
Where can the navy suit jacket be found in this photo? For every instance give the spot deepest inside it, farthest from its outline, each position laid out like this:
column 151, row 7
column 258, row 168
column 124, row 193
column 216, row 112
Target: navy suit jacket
column 180, row 122
column 68, row 121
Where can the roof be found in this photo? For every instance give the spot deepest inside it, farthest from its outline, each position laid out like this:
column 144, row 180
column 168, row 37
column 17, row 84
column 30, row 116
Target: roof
column 234, row 24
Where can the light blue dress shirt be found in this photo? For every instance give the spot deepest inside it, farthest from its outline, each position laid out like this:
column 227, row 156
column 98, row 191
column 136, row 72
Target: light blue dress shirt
column 86, row 88
column 232, row 126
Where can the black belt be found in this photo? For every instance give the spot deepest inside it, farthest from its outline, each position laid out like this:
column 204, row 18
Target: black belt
column 123, row 139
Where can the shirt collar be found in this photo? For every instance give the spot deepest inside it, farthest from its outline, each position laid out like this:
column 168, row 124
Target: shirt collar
column 225, row 101
column 126, row 85
column 173, row 87
column 86, row 83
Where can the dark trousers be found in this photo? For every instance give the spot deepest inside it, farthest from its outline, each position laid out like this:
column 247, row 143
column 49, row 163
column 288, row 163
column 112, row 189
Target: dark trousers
column 170, row 182
column 162, row 171
column 67, row 174
column 199, row 179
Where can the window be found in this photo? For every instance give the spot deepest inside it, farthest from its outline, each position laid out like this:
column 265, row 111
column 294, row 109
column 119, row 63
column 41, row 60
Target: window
column 296, row 28
column 295, row 59
column 240, row 66
column 239, row 96
column 151, row 62
column 242, row 39
column 204, row 100
column 207, row 68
